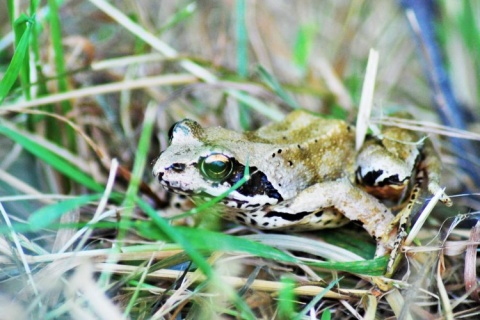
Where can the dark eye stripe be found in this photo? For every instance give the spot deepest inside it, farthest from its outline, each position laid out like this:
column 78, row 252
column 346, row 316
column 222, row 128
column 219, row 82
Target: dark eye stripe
column 258, row 183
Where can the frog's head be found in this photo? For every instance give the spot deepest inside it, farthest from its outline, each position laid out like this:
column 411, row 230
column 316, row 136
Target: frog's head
column 199, row 163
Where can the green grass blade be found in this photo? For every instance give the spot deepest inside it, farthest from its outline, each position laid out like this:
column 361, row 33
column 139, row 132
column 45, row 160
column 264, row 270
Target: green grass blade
column 242, row 39
column 19, row 28
column 179, row 236
column 59, row 58
column 242, row 55
column 257, row 105
column 189, row 243
column 352, row 240
column 303, row 46
column 315, row 300
column 468, row 27
column 470, row 31
column 215, row 241
column 138, row 168
column 47, row 215
column 273, row 83
column 51, row 158
column 181, row 15
column 56, row 36
column 141, row 155
column 35, row 58
column 18, row 60
column 375, row 267
column 34, row 43
column 286, row 298
column 174, row 235
column 138, row 286
column 11, row 10
column 326, row 315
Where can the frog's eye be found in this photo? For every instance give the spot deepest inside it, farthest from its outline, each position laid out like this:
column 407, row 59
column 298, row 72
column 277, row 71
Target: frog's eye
column 216, row 167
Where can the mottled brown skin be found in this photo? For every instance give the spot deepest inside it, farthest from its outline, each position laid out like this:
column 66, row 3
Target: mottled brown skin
column 305, row 172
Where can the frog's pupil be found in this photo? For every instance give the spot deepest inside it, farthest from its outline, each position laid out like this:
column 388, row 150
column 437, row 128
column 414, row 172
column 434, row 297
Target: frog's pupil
column 216, row 167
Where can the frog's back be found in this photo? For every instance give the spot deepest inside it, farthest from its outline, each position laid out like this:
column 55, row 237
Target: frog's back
column 309, row 149
column 302, row 126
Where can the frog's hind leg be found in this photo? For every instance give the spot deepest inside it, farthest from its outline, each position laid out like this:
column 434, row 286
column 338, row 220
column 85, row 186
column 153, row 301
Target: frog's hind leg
column 429, row 168
column 403, row 219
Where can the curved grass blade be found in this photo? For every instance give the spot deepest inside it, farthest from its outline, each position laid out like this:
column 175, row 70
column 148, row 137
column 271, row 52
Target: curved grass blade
column 375, row 267
column 273, row 83
column 53, row 159
column 181, row 15
column 315, row 300
column 45, row 216
column 19, row 28
column 18, row 60
column 212, row 241
column 138, row 169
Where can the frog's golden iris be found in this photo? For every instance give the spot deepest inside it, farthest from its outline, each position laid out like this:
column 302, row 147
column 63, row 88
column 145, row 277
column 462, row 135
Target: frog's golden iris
column 216, row 167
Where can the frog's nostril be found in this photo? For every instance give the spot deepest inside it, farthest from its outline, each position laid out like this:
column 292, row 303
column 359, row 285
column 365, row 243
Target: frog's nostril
column 178, row 167
column 160, row 176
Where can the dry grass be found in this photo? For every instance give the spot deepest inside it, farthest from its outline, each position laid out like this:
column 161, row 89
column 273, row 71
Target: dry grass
column 77, row 151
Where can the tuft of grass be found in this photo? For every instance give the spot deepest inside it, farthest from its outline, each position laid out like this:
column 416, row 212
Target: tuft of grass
column 88, row 233
column 47, row 152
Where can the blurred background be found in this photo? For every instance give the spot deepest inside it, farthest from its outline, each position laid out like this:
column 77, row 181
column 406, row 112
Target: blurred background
column 74, row 92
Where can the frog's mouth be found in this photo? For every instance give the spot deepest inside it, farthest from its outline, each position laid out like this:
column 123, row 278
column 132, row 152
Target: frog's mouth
column 173, row 186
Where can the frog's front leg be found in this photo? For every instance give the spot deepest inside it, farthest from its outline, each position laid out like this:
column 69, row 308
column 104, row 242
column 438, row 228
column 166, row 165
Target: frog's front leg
column 339, row 196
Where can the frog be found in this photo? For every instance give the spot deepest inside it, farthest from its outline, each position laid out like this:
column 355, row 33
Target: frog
column 304, row 173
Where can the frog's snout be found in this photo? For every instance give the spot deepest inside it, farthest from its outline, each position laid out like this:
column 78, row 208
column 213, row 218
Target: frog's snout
column 170, row 176
column 165, row 183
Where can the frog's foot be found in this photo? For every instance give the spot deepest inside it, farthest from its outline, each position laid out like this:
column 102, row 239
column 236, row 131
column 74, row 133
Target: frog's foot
column 433, row 188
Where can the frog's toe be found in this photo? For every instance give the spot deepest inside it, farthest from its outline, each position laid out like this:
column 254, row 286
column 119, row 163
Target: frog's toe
column 445, row 199
column 434, row 187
